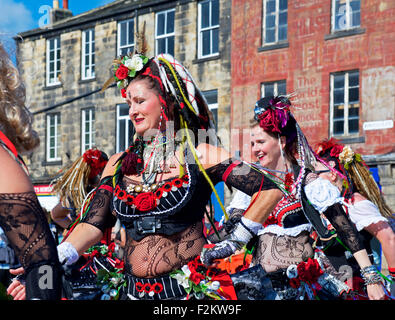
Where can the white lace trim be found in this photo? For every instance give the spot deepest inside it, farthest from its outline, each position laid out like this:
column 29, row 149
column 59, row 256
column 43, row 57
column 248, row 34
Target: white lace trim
column 322, row 194
column 293, row 232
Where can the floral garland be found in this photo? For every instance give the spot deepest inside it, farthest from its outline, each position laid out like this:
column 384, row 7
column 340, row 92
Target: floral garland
column 126, row 68
column 110, row 280
column 200, row 281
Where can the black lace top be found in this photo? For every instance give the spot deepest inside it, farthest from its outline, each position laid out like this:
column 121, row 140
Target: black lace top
column 174, row 225
column 25, row 225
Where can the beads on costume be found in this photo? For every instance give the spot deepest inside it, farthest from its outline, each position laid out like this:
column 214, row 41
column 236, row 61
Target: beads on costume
column 147, row 288
column 147, row 197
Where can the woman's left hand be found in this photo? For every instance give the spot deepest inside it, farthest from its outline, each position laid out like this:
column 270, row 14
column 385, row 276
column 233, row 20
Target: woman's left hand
column 221, row 250
column 17, row 289
column 375, row 291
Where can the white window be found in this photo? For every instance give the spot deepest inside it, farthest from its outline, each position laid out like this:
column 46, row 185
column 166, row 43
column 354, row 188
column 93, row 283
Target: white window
column 344, row 103
column 208, row 28
column 346, row 14
column 53, row 61
column 53, row 137
column 275, row 21
column 125, row 37
column 124, row 128
column 164, row 32
column 275, row 88
column 88, row 54
column 87, row 129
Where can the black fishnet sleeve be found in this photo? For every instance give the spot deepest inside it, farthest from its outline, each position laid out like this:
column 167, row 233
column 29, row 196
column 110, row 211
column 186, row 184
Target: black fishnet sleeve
column 345, row 229
column 240, row 175
column 25, row 225
column 99, row 212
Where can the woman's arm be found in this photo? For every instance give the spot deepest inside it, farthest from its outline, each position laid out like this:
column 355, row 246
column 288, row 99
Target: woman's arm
column 60, row 216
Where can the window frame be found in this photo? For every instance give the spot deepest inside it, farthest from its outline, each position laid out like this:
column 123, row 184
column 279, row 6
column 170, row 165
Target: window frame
column 57, row 57
column 348, row 17
column 346, row 120
column 128, row 123
column 277, row 18
column 119, row 47
column 56, row 146
column 210, row 28
column 91, row 122
column 91, row 54
column 164, row 35
column 275, row 89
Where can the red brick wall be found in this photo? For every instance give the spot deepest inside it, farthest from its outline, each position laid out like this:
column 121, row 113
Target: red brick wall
column 307, row 63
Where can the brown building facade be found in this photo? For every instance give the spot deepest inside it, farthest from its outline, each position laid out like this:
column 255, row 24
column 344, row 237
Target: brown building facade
column 338, row 59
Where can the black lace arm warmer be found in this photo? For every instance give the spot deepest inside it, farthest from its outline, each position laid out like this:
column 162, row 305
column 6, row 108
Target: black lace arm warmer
column 27, row 229
column 99, row 212
column 240, row 175
column 345, row 229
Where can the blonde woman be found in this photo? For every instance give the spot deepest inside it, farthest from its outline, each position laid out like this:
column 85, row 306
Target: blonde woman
column 21, row 216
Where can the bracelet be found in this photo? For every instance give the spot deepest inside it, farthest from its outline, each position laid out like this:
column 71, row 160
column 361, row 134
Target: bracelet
column 370, row 275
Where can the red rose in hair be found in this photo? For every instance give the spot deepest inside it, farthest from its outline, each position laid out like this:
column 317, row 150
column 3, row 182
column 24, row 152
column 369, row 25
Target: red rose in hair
column 122, row 72
column 123, row 92
column 145, row 201
column 336, row 150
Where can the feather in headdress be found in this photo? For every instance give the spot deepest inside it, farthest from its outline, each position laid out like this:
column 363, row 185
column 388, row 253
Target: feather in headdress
column 141, row 42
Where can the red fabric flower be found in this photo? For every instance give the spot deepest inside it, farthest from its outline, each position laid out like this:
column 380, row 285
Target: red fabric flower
column 122, row 72
column 268, row 121
column 336, row 150
column 123, row 92
column 309, row 271
column 145, row 201
column 111, row 247
column 196, row 277
column 93, row 157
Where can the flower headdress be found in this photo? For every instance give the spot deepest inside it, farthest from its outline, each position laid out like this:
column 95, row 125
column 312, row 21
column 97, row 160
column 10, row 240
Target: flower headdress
column 356, row 173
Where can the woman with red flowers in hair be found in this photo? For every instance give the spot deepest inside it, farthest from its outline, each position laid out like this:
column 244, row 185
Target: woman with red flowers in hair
column 283, row 248
column 365, row 206
column 159, row 187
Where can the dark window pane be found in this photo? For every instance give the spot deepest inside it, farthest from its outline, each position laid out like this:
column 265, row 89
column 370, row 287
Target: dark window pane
column 270, row 35
column 214, row 12
column 205, row 12
column 161, row 45
column 282, row 18
column 283, row 4
column 353, row 126
column 353, row 95
column 282, row 33
column 338, row 127
column 123, row 110
column 270, row 21
column 160, row 28
column 121, row 129
column 353, row 79
column 353, row 111
column 170, row 22
column 338, row 81
column 269, row 90
column 338, row 96
column 170, row 45
column 338, row 112
column 211, row 96
column 215, row 40
column 282, row 88
column 270, row 6
column 206, row 42
column 123, row 34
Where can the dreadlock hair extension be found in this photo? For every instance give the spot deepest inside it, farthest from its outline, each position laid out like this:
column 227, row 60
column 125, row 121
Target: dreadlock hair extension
column 72, row 185
column 367, row 186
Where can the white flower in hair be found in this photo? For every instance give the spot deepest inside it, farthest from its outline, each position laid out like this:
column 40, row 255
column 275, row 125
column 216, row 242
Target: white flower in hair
column 136, row 63
column 346, row 156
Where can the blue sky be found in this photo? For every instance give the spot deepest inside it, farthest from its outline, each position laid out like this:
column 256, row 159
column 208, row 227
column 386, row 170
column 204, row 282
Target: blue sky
column 18, row 16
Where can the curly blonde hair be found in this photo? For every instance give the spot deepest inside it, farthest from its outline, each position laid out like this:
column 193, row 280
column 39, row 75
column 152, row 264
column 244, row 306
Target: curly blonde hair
column 15, row 118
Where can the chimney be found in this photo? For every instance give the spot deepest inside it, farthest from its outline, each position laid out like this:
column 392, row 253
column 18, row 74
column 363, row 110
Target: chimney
column 58, row 14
